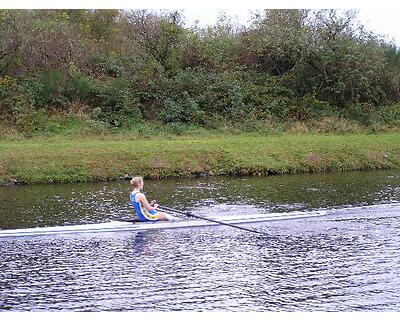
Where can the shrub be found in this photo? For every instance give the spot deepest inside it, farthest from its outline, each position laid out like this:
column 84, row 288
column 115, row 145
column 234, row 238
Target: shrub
column 31, row 121
column 13, row 100
column 237, row 108
column 127, row 111
column 185, row 110
column 97, row 113
column 58, row 89
column 96, row 127
column 364, row 113
column 47, row 88
column 390, row 115
column 171, row 112
column 78, row 86
column 176, row 128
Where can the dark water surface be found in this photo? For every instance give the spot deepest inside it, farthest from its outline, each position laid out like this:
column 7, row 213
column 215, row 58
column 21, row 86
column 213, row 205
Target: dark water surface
column 348, row 260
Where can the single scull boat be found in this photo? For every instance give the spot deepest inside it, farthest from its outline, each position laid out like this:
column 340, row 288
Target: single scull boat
column 115, row 226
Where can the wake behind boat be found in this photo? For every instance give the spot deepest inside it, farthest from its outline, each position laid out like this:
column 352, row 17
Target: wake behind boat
column 123, row 226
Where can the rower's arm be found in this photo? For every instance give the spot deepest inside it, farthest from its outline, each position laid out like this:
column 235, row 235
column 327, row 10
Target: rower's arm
column 147, row 205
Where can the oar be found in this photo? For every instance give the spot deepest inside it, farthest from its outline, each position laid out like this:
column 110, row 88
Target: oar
column 188, row 214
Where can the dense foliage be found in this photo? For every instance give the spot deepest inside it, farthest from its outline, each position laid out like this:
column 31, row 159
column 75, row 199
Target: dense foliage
column 120, row 68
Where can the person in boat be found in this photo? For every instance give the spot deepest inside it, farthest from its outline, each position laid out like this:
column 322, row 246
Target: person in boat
column 146, row 211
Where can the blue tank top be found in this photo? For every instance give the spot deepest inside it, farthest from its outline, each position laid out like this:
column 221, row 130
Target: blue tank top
column 142, row 213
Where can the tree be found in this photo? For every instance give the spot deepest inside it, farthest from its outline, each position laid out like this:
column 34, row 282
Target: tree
column 275, row 42
column 161, row 35
column 393, row 71
column 344, row 62
column 10, row 39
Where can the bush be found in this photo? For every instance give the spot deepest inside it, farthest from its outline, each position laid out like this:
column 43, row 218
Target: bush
column 128, row 111
column 13, row 100
column 31, row 121
column 78, row 86
column 288, row 66
column 317, row 107
column 115, row 102
column 172, row 112
column 56, row 89
column 48, row 88
column 109, row 65
column 390, row 115
column 186, row 110
column 176, row 128
column 96, row 127
column 237, row 108
column 364, row 113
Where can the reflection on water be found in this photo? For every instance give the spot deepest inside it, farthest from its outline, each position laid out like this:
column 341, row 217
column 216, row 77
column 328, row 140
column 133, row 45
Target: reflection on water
column 347, row 260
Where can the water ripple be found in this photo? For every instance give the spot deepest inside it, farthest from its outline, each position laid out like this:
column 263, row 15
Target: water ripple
column 346, row 261
column 211, row 269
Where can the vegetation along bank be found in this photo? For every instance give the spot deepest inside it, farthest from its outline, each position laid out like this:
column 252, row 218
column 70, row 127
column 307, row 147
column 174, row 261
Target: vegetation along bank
column 91, row 160
column 292, row 91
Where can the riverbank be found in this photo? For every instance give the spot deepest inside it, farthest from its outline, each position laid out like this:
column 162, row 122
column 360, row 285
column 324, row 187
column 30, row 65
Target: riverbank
column 84, row 160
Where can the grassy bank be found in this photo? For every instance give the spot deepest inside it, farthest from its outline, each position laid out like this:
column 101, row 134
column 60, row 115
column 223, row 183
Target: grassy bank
column 63, row 160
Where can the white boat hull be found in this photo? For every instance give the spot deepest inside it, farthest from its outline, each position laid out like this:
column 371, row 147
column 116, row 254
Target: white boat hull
column 119, row 226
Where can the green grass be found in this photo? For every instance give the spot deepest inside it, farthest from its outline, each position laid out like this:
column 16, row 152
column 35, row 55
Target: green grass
column 65, row 160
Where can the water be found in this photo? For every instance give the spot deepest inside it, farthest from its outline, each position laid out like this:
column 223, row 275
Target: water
column 347, row 260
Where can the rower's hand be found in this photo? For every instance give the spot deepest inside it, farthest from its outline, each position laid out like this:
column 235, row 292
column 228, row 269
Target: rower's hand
column 153, row 202
column 155, row 205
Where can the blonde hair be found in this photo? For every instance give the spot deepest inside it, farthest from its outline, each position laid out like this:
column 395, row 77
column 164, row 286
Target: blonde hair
column 136, row 181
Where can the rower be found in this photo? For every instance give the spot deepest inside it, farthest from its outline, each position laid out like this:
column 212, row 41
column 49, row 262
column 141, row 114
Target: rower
column 146, row 211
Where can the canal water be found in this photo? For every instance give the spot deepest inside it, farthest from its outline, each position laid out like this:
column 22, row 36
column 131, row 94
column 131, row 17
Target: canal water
column 348, row 260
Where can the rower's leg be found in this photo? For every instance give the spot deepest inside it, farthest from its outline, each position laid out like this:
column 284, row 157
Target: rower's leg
column 167, row 217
